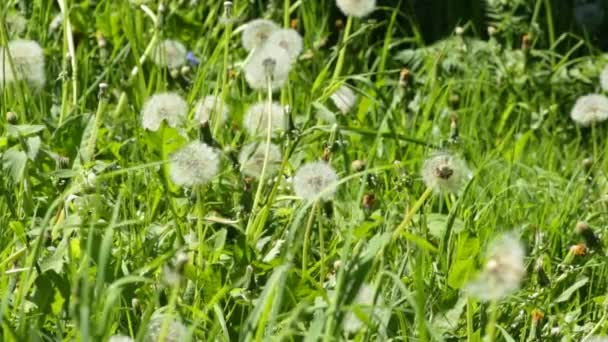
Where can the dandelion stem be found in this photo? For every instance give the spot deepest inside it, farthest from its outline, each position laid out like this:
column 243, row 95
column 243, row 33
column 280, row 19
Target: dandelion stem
column 69, row 39
column 410, row 214
column 307, row 233
column 342, row 53
column 491, row 327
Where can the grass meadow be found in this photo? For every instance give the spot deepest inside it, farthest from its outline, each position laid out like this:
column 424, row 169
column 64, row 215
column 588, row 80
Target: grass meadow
column 357, row 180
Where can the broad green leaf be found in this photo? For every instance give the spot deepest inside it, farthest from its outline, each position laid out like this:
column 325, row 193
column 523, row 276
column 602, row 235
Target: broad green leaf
column 13, row 162
column 570, row 291
column 15, row 131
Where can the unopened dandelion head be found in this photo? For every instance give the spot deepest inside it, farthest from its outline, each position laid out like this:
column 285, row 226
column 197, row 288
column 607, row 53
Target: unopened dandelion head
column 168, row 107
column 194, row 164
column 289, row 40
column 344, row 98
column 209, row 105
column 356, row 8
column 252, row 158
column 444, row 172
column 270, row 62
column 590, row 109
column 165, row 326
column 257, row 116
column 257, row 32
column 314, row 178
column 169, row 54
column 22, row 60
column 503, row 271
column 604, row 78
column 364, row 303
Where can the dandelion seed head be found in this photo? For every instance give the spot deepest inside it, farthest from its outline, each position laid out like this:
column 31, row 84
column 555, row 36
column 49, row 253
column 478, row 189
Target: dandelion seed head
column 257, row 32
column 590, row 109
column 268, row 61
column 313, row 178
column 256, row 119
column 344, row 98
column 356, row 8
column 162, row 325
column 252, row 156
column 210, row 105
column 596, row 339
column 364, row 302
column 444, row 172
column 503, row 272
column 194, row 164
column 120, row 338
column 169, row 54
column 16, row 25
column 604, row 78
column 22, row 60
column 168, row 107
column 289, row 40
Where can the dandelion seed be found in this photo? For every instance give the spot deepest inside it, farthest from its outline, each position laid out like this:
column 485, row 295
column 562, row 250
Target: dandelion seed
column 604, row 78
column 22, row 60
column 194, row 164
column 120, row 338
column 168, row 107
column 271, row 61
column 210, row 105
column 256, row 119
column 288, row 39
column 356, row 8
column 444, row 172
column 314, row 178
column 169, row 54
column 257, row 32
column 344, row 98
column 364, row 304
column 165, row 326
column 503, row 272
column 251, row 159
column 590, row 109
column 16, row 25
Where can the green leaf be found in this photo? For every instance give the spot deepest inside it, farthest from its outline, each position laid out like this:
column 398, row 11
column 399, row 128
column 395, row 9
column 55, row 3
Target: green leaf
column 570, row 291
column 16, row 131
column 437, row 224
column 13, row 162
column 33, row 146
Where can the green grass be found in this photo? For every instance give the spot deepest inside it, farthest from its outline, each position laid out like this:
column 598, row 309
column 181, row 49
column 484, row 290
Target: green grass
column 88, row 220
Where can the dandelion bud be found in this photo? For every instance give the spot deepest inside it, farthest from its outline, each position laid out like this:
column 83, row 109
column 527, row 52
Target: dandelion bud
column 404, row 76
column 526, row 42
column 180, row 262
column 294, row 23
column 587, row 163
column 185, row 70
column 227, row 9
column 339, row 24
column 135, row 304
column 543, row 279
column 194, row 164
column 537, row 316
column 454, row 127
column 11, row 117
column 344, row 98
column 578, row 250
column 590, row 109
column 256, row 119
column 444, row 172
column 22, row 60
column 252, row 158
column 356, row 8
column 358, row 165
column 492, row 31
column 168, row 107
column 459, row 30
column 169, row 54
column 314, row 178
column 257, row 32
column 101, row 40
column 591, row 239
column 369, row 201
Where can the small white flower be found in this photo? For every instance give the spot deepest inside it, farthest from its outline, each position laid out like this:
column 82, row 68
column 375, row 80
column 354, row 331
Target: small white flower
column 444, row 172
column 120, row 338
column 256, row 119
column 590, row 109
column 503, row 272
column 169, row 54
column 604, row 78
column 210, row 105
column 257, row 32
column 22, row 60
column 268, row 61
column 364, row 304
column 167, row 327
column 168, row 107
column 344, row 98
column 194, row 164
column 356, row 8
column 252, row 157
column 312, row 179
column 288, row 39
column 16, row 25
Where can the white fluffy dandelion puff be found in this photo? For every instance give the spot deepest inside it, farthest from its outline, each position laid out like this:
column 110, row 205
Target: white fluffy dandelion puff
column 356, row 8
column 444, row 172
column 256, row 119
column 288, row 39
column 252, row 157
column 503, row 272
column 120, row 338
column 169, row 54
column 257, row 32
column 16, row 25
column 313, row 178
column 269, row 61
column 210, row 105
column 194, row 164
column 167, row 327
column 344, row 98
column 364, row 304
column 604, row 78
column 168, row 107
column 22, row 60
column 590, row 109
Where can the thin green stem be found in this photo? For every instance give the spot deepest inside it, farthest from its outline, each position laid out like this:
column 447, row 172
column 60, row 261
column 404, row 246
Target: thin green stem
column 307, row 233
column 413, row 210
column 342, row 53
column 491, row 326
